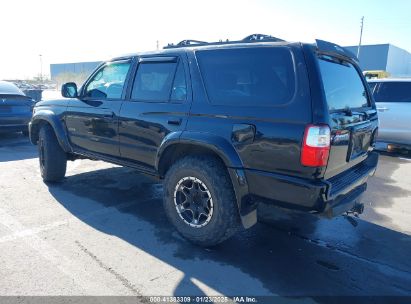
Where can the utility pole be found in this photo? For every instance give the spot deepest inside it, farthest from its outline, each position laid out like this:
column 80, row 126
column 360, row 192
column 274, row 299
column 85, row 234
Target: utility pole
column 41, row 68
column 359, row 44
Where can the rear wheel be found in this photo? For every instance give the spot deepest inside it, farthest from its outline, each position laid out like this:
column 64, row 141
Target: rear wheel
column 53, row 160
column 199, row 200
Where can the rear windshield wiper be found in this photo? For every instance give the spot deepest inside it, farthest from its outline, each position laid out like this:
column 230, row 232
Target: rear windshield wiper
column 350, row 112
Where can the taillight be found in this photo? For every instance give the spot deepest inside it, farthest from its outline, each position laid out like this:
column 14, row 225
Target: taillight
column 316, row 146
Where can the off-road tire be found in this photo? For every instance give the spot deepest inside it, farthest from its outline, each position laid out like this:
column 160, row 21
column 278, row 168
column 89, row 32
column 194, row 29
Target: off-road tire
column 225, row 219
column 52, row 158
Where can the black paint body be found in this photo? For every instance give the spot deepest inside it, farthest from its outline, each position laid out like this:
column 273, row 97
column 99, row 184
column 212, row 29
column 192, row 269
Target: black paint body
column 260, row 146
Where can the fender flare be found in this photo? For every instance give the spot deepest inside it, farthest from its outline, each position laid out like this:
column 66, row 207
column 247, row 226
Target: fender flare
column 220, row 146
column 215, row 143
column 51, row 118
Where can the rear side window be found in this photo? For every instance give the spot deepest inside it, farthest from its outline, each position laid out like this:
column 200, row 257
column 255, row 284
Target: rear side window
column 261, row 76
column 153, row 81
column 343, row 85
column 393, row 92
column 179, row 89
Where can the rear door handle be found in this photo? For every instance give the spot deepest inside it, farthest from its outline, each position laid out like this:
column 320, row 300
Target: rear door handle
column 174, row 121
column 382, row 109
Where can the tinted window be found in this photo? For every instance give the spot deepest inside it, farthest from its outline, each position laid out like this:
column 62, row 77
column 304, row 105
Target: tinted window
column 179, row 90
column 248, row 77
column 153, row 81
column 108, row 82
column 393, row 92
column 343, row 86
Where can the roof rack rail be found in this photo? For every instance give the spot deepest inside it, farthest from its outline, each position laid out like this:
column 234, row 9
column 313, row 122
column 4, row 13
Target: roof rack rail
column 248, row 39
column 261, row 37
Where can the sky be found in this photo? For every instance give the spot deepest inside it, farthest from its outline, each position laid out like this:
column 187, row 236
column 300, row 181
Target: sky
column 89, row 30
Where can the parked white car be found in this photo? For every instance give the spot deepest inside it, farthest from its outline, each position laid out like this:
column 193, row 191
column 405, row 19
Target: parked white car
column 393, row 101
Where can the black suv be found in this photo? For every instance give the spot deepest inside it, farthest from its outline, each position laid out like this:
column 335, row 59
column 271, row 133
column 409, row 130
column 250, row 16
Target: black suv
column 226, row 125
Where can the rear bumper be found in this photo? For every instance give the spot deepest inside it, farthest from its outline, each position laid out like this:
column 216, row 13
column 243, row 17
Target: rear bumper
column 394, row 136
column 15, row 123
column 13, row 128
column 330, row 197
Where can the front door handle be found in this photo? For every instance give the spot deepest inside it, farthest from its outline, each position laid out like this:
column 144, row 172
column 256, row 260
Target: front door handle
column 174, row 121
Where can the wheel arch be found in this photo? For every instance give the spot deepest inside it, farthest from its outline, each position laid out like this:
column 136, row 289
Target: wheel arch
column 48, row 117
column 179, row 145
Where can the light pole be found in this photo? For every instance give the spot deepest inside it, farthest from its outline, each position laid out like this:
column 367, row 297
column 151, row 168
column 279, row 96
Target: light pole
column 359, row 44
column 41, row 68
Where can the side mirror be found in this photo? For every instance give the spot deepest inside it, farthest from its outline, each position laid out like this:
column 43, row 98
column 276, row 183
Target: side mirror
column 69, row 90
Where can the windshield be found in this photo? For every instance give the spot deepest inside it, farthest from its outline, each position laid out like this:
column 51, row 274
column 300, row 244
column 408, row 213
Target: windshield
column 343, row 86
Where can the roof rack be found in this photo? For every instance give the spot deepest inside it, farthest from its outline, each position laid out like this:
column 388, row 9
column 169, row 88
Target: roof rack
column 190, row 42
column 261, row 37
column 249, row 39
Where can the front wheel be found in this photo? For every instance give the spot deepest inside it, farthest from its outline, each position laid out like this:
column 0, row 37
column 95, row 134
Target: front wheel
column 199, row 200
column 53, row 160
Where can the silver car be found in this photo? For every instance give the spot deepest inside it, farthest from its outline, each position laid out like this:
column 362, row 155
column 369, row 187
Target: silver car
column 393, row 100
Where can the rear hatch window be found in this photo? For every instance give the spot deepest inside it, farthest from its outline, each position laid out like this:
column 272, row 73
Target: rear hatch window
column 348, row 104
column 258, row 76
column 343, row 86
column 393, row 92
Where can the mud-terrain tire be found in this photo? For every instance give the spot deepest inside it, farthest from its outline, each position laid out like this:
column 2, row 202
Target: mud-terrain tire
column 207, row 176
column 52, row 158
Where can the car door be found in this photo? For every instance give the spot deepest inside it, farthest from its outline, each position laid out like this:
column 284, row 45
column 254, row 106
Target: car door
column 157, row 105
column 393, row 100
column 92, row 119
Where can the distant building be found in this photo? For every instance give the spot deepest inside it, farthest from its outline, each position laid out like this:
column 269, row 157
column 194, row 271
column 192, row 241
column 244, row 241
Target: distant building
column 387, row 57
column 57, row 69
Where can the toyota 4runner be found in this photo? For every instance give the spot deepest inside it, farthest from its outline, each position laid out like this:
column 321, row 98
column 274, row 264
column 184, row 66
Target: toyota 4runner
column 226, row 125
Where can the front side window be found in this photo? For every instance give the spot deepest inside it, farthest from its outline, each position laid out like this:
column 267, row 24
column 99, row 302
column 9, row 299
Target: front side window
column 108, row 82
column 154, row 81
column 393, row 92
column 260, row 76
column 343, row 85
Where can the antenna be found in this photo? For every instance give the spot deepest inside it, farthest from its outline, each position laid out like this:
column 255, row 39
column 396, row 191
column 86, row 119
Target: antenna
column 359, row 44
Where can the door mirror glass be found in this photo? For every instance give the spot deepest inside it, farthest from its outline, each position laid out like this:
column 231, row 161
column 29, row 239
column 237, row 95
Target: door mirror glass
column 69, row 90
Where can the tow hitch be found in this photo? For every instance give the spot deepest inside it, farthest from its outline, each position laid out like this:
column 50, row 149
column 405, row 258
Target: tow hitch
column 355, row 211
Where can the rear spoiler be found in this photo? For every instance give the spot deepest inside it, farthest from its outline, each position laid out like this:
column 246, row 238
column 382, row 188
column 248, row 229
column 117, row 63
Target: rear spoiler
column 330, row 48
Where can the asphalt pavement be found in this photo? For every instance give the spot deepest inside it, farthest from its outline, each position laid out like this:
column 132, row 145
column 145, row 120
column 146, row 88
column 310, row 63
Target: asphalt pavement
column 102, row 231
